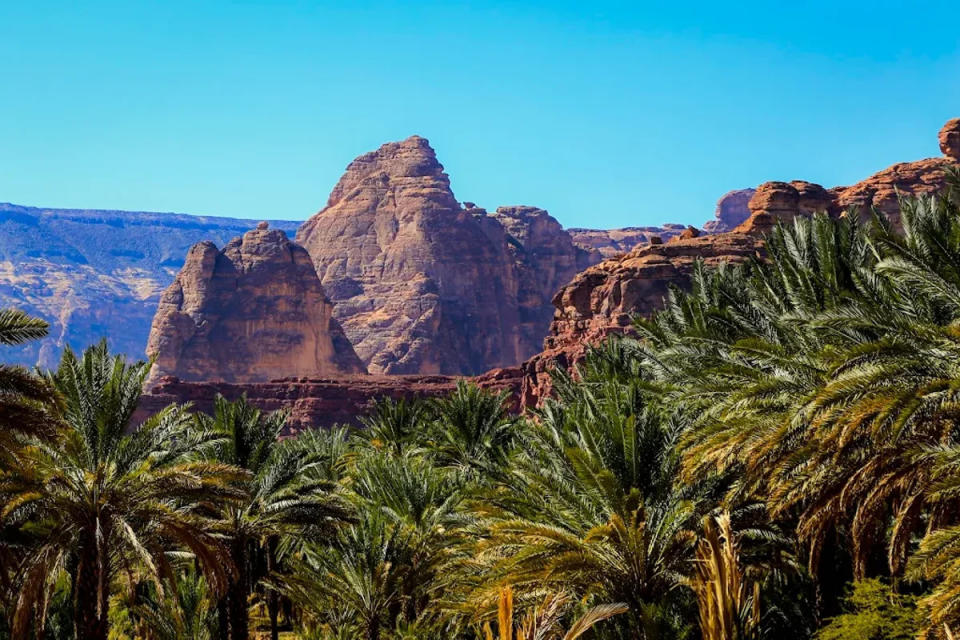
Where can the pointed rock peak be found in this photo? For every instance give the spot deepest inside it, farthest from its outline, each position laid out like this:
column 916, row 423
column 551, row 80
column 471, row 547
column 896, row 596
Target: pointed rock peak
column 410, row 158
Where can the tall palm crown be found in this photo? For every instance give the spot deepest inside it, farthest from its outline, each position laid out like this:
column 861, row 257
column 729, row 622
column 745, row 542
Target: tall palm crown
column 589, row 502
column 284, row 497
column 24, row 396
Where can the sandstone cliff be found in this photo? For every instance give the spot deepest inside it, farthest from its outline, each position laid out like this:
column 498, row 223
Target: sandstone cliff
column 252, row 312
column 612, row 242
column 881, row 192
column 424, row 285
column 92, row 274
column 322, row 402
column 601, row 300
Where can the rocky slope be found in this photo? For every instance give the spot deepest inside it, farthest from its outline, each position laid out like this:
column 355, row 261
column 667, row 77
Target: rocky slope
column 601, row 300
column 424, row 285
column 252, row 312
column 96, row 273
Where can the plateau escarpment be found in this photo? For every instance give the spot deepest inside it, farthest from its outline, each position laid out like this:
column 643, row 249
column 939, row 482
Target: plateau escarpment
column 252, row 312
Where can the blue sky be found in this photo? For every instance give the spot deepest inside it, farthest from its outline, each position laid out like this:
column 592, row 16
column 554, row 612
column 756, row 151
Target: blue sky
column 607, row 114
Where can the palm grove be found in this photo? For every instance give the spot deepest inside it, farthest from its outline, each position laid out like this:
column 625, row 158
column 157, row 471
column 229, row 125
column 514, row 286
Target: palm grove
column 774, row 454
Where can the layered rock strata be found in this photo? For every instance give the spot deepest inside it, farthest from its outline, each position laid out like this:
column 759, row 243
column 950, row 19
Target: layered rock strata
column 323, row 401
column 252, row 312
column 612, row 242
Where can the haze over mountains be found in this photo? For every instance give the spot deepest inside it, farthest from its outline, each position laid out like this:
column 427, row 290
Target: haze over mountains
column 96, row 273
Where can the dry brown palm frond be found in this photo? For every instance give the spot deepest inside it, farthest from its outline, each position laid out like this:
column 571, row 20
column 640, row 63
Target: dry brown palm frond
column 544, row 621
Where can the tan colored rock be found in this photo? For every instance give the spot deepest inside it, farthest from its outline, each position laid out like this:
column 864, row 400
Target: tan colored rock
column 252, row 312
column 545, row 259
column 881, row 192
column 950, row 139
column 419, row 284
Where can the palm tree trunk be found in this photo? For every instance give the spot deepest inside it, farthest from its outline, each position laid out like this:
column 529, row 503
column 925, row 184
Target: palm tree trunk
column 273, row 599
column 373, row 628
column 239, row 612
column 88, row 621
column 223, row 618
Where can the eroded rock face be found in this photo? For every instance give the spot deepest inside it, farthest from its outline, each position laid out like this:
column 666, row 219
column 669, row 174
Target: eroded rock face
column 950, row 139
column 882, row 191
column 546, row 259
column 422, row 285
column 732, row 209
column 603, row 299
column 252, row 312
column 94, row 274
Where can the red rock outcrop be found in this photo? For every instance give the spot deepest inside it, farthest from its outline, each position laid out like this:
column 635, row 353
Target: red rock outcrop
column 731, row 211
column 949, row 139
column 546, row 259
column 252, row 312
column 320, row 401
column 423, row 285
column 881, row 191
column 604, row 299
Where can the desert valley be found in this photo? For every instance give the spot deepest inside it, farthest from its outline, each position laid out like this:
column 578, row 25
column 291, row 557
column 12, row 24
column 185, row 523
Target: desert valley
column 656, row 337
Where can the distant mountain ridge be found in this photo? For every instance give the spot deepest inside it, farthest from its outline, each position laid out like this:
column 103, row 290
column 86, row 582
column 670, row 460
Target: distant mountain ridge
column 93, row 273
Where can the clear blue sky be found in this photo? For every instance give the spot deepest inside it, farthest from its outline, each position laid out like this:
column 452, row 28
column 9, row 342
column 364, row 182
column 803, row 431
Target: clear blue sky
column 607, row 114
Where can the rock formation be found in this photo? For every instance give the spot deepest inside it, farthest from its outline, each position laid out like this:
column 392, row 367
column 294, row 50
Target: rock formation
column 604, row 299
column 321, row 402
column 252, row 312
column 545, row 259
column 731, row 211
column 94, row 274
column 423, row 285
column 949, row 139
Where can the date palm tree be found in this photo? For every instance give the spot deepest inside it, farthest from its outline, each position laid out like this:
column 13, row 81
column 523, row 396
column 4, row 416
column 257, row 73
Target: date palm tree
column 25, row 397
column 284, row 497
column 590, row 504
column 472, row 427
column 109, row 496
